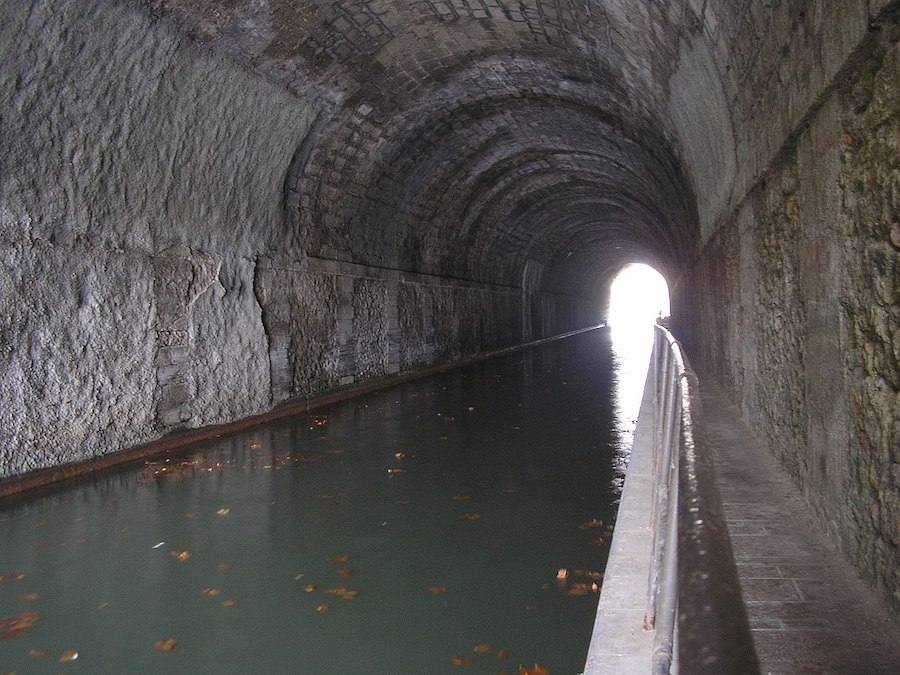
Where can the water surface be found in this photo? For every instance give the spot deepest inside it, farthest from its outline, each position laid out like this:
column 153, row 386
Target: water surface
column 420, row 529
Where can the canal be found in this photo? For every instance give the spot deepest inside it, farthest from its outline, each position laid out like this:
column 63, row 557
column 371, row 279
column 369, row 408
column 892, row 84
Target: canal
column 458, row 523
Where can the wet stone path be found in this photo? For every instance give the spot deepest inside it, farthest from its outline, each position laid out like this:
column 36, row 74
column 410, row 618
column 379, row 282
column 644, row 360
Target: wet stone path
column 808, row 611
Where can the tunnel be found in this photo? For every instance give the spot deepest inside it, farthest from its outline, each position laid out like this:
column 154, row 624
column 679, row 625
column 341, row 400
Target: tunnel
column 210, row 208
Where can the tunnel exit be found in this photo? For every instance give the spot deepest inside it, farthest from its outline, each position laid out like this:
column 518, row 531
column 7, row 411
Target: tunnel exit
column 638, row 296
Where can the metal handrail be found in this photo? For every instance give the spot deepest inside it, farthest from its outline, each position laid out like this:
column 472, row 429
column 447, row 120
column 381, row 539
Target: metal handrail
column 694, row 599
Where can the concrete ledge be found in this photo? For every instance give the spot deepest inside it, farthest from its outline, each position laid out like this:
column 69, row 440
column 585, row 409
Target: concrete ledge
column 619, row 644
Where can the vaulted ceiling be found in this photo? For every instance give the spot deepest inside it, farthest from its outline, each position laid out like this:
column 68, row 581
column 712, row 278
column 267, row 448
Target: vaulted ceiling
column 470, row 138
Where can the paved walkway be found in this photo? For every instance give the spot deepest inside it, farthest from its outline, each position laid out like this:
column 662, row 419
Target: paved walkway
column 808, row 610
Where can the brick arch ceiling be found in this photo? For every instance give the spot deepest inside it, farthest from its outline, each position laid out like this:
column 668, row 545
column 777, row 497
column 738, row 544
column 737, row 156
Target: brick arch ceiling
column 468, row 138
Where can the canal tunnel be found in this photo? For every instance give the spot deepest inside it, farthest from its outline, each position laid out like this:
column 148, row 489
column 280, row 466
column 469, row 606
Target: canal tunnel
column 209, row 208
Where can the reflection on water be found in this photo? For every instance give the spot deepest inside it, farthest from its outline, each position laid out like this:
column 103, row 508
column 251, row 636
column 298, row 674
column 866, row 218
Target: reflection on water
column 413, row 530
column 632, row 344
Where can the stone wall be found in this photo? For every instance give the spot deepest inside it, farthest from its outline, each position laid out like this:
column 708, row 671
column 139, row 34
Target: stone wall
column 149, row 276
column 796, row 311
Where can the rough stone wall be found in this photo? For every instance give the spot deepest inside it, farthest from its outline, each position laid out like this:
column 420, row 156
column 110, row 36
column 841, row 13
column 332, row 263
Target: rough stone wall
column 149, row 276
column 136, row 174
column 870, row 182
column 797, row 312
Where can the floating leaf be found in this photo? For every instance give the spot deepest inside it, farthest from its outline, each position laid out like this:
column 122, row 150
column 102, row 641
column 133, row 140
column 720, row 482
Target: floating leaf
column 223, row 512
column 591, row 524
column 224, row 566
column 393, row 472
column 321, row 609
column 461, row 661
column 28, row 597
column 17, row 626
column 577, row 590
column 38, row 652
column 16, row 576
column 562, row 574
column 67, row 656
column 472, row 516
column 339, row 559
column 166, row 645
column 436, row 590
column 483, row 648
column 180, row 555
column 211, row 592
column 191, row 515
column 403, row 502
column 502, row 655
column 589, row 575
column 537, row 670
column 326, row 497
column 342, row 593
column 345, row 571
column 310, row 588
column 462, row 498
column 399, row 455
column 229, row 603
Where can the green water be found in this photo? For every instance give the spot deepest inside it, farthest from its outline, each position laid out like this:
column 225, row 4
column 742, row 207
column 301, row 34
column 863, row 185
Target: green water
column 447, row 505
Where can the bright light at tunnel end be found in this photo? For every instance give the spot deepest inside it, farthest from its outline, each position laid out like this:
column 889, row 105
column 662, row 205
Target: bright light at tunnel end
column 638, row 296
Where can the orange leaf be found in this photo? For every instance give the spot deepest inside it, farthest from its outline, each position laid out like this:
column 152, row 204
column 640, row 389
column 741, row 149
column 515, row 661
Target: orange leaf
column 461, row 661
column 16, row 576
column 310, row 588
column 472, row 516
column 229, row 603
column 17, row 626
column 502, row 654
column 339, row 559
column 436, row 590
column 38, row 652
column 211, row 592
column 321, row 609
column 590, row 524
column 28, row 597
column 483, row 648
column 180, row 555
column 462, row 498
column 67, row 656
column 166, row 645
column 224, row 566
column 399, row 455
column 577, row 590
column 343, row 593
column 345, row 571
column 537, row 670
